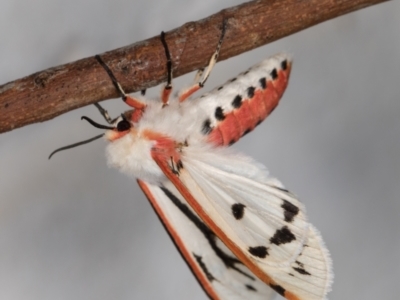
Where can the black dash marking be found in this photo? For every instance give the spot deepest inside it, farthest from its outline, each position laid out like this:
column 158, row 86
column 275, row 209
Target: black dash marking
column 263, row 82
column 250, row 92
column 202, row 265
column 246, row 132
column 250, row 288
column 245, row 73
column 238, row 210
column 228, row 260
column 220, row 88
column 231, row 142
column 301, row 271
column 290, row 210
column 277, row 288
column 282, row 236
column 282, row 189
column 219, row 113
column 206, row 129
column 290, row 274
column 274, row 74
column 237, row 102
column 258, row 122
column 233, row 79
column 259, row 251
column 179, row 165
column 299, row 263
column 284, row 64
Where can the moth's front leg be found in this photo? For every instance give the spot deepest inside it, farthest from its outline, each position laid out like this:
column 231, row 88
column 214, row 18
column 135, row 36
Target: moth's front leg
column 166, row 151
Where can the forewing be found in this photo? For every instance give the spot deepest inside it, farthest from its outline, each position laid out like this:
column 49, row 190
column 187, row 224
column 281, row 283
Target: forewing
column 219, row 272
column 263, row 224
column 237, row 107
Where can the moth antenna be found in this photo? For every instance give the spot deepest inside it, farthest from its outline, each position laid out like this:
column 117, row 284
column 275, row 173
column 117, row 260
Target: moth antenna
column 76, row 144
column 97, row 125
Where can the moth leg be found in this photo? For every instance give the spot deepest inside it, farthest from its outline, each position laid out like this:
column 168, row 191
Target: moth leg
column 201, row 76
column 104, row 113
column 167, row 89
column 131, row 101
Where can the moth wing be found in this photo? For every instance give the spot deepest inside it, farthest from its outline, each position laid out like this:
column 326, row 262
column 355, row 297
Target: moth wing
column 218, row 271
column 263, row 224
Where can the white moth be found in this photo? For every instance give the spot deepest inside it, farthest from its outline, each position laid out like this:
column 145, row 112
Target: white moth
column 243, row 235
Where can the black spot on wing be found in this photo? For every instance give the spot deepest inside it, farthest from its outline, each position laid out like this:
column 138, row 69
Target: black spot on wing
column 233, row 79
column 277, row 288
column 231, row 142
column 263, row 83
column 299, row 263
column 301, row 271
column 237, row 101
column 206, row 128
column 219, row 113
column 229, row 261
column 220, row 88
column 289, row 211
column 238, row 210
column 274, row 74
column 282, row 236
column 202, row 265
column 284, row 64
column 259, row 251
column 282, row 189
column 250, row 288
column 250, row 92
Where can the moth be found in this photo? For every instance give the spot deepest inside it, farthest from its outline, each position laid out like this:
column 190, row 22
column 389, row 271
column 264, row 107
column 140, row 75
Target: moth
column 241, row 232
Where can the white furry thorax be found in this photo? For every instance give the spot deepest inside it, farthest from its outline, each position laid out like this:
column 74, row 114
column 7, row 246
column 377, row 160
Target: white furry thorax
column 131, row 154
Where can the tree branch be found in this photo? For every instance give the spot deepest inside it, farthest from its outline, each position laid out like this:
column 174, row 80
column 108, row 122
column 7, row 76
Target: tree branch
column 49, row 93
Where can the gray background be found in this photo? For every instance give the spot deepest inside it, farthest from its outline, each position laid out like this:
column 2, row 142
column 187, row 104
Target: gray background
column 71, row 228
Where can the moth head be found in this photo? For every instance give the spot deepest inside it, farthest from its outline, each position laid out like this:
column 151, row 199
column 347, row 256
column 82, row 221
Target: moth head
column 118, row 128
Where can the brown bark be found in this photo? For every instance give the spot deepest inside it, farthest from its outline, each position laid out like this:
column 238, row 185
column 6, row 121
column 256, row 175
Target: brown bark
column 49, row 93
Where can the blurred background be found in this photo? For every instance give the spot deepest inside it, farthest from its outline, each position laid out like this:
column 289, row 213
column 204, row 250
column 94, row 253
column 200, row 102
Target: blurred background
column 71, row 228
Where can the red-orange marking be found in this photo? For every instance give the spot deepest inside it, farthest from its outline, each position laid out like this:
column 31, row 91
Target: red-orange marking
column 137, row 115
column 230, row 130
column 215, row 137
column 251, row 111
column 165, row 147
column 245, row 116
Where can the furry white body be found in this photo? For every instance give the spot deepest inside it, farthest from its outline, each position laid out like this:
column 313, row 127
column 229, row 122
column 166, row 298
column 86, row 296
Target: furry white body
column 132, row 153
